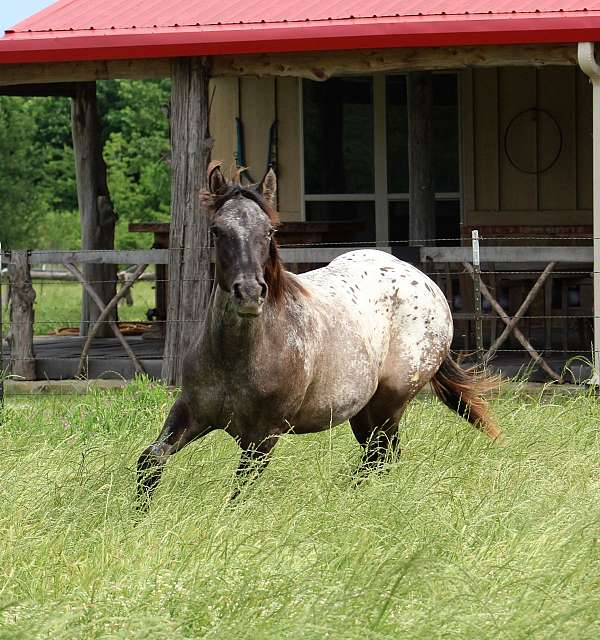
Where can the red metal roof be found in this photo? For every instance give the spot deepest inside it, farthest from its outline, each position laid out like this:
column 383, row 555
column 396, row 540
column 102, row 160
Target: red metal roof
column 118, row 29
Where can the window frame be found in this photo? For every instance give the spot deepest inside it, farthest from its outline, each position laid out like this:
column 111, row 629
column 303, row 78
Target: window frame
column 380, row 197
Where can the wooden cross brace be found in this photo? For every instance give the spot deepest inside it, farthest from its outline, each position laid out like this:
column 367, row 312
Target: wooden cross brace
column 511, row 323
column 105, row 310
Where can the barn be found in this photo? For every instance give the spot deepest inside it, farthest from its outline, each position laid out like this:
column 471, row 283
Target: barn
column 399, row 125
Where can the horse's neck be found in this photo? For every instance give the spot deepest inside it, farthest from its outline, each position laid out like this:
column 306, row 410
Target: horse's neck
column 230, row 334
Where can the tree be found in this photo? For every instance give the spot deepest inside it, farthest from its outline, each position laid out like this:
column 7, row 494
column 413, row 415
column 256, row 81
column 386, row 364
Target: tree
column 19, row 169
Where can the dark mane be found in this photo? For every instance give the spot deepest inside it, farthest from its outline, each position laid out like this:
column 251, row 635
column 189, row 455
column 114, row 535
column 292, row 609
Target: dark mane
column 280, row 282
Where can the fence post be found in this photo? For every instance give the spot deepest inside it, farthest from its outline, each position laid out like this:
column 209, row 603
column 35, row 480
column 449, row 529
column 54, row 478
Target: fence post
column 20, row 333
column 477, row 294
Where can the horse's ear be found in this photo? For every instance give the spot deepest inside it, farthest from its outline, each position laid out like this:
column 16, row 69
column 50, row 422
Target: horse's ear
column 216, row 180
column 268, row 188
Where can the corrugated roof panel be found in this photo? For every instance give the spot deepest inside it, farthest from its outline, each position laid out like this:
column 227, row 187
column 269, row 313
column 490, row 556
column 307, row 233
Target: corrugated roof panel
column 119, row 14
column 72, row 30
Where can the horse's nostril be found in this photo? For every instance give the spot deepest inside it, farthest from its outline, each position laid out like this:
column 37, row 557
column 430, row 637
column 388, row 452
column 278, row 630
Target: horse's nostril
column 263, row 289
column 237, row 290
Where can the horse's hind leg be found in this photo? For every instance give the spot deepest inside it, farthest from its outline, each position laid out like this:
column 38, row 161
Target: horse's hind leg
column 253, row 461
column 378, row 438
column 178, row 431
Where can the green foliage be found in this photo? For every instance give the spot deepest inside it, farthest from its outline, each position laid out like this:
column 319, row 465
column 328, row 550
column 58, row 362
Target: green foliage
column 459, row 539
column 136, row 152
column 37, row 174
column 19, row 170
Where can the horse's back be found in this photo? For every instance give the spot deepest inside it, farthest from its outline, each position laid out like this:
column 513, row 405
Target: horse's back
column 403, row 315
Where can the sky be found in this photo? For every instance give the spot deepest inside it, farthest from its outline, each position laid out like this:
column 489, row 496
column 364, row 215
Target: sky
column 13, row 11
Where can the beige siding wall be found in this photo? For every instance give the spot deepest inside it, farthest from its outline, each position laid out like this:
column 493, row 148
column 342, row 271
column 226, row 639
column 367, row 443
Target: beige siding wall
column 532, row 192
column 258, row 102
column 495, row 191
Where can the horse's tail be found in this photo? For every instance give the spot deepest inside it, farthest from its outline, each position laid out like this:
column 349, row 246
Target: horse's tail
column 463, row 391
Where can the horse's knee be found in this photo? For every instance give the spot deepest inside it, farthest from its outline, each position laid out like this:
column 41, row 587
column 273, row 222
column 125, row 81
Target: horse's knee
column 149, row 470
column 152, row 456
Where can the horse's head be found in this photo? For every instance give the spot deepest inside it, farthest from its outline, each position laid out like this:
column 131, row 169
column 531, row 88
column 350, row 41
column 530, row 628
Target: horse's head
column 242, row 225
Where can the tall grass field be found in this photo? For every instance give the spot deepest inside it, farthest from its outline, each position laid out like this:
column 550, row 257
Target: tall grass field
column 459, row 538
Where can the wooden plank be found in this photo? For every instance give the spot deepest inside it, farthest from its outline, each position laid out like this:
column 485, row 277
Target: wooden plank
column 517, row 218
column 556, row 128
column 257, row 114
column 326, row 254
column 313, row 65
column 56, row 357
column 517, row 94
column 485, row 134
column 288, row 148
column 320, row 65
column 121, row 256
column 574, row 255
column 584, row 141
column 223, row 112
column 84, row 71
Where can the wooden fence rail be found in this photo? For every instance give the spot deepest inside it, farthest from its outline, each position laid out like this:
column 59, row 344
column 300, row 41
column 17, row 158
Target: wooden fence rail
column 16, row 265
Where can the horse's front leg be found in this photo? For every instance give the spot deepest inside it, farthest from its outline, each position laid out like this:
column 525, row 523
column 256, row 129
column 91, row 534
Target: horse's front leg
column 178, row 431
column 253, row 461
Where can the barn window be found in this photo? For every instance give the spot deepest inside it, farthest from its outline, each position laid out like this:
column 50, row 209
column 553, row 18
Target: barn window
column 355, row 129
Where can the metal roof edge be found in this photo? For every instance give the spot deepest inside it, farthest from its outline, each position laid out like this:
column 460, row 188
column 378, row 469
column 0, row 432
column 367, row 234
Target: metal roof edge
column 296, row 37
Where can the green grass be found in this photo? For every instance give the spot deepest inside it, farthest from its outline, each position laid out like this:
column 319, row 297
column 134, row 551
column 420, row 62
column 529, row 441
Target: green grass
column 459, row 539
column 58, row 304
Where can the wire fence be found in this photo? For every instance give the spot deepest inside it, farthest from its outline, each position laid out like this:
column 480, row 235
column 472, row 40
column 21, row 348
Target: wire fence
column 486, row 297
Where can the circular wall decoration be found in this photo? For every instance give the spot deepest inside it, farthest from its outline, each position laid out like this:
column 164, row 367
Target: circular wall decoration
column 533, row 124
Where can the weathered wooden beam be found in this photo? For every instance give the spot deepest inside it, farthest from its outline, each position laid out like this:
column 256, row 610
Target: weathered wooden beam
column 95, row 208
column 112, row 256
column 84, row 71
column 534, row 355
column 189, row 268
column 113, row 326
column 508, row 329
column 509, row 255
column 20, row 333
column 421, row 207
column 313, row 65
column 323, row 65
column 82, row 367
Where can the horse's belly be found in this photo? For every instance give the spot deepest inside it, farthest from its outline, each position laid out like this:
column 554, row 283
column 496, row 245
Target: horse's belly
column 337, row 393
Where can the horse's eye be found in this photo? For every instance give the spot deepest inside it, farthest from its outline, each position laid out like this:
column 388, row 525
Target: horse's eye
column 214, row 232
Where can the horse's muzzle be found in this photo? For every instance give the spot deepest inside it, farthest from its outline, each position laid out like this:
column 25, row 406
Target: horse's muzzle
column 249, row 297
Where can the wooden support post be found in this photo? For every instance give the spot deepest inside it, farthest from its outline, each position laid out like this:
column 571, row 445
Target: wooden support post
column 95, row 208
column 420, row 157
column 189, row 258
column 20, row 333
